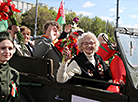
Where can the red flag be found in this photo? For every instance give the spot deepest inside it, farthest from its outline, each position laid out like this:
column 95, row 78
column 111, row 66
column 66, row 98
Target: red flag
column 61, row 15
column 105, row 52
column 118, row 69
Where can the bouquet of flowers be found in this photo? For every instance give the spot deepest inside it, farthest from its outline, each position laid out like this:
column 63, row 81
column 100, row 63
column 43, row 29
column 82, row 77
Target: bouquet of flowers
column 71, row 43
column 7, row 12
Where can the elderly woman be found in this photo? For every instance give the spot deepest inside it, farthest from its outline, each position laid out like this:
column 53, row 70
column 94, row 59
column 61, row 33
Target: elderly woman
column 9, row 76
column 87, row 64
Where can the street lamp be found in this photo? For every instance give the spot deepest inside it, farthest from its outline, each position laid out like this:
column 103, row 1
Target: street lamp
column 35, row 30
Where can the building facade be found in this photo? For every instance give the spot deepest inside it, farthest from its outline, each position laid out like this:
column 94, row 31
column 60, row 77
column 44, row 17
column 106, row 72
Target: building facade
column 26, row 6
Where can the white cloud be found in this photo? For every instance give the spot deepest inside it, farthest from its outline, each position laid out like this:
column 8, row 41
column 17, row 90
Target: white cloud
column 107, row 18
column 114, row 10
column 133, row 16
column 88, row 4
column 123, row 8
column 84, row 13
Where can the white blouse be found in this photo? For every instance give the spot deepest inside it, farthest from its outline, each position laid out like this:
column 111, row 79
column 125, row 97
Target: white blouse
column 66, row 72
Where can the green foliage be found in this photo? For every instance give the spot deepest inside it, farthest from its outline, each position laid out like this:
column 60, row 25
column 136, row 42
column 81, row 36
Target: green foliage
column 95, row 25
column 43, row 15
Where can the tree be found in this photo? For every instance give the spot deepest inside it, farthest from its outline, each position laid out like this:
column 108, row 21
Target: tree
column 43, row 15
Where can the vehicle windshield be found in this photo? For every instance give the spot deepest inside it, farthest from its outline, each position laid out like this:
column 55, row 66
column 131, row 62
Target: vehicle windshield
column 130, row 47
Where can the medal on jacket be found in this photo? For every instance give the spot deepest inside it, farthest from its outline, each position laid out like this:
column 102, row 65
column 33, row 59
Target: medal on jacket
column 100, row 68
column 90, row 73
column 14, row 90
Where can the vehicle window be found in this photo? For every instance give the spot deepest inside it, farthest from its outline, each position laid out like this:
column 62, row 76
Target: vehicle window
column 130, row 47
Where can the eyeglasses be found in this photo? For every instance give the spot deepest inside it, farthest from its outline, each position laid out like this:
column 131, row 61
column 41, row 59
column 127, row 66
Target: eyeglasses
column 86, row 43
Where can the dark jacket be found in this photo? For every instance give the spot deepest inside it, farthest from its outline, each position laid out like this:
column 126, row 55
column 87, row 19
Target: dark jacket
column 7, row 76
column 91, row 71
column 45, row 50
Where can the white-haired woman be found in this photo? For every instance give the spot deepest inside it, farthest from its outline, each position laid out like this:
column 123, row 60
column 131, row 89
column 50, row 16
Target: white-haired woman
column 87, row 64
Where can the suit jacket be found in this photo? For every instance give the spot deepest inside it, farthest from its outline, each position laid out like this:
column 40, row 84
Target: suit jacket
column 45, row 50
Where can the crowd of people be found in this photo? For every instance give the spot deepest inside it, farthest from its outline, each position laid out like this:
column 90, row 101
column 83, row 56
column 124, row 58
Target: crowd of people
column 86, row 62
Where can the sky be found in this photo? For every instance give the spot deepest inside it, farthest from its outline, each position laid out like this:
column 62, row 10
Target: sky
column 105, row 9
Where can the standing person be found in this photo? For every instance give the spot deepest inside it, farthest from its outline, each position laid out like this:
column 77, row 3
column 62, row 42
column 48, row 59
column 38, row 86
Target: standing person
column 87, row 64
column 44, row 47
column 9, row 76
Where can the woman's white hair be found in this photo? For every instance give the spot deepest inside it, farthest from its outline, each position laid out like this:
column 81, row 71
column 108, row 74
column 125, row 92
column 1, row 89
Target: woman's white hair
column 102, row 34
column 89, row 35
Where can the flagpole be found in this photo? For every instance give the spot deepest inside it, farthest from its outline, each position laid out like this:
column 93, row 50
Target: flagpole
column 62, row 25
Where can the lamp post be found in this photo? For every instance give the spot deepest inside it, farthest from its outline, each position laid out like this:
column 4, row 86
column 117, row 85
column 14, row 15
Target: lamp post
column 35, row 30
column 117, row 11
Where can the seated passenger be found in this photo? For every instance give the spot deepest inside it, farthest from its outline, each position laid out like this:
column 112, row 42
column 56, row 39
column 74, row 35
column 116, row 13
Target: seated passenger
column 19, row 50
column 44, row 47
column 100, row 38
column 87, row 64
column 28, row 43
column 117, row 68
column 9, row 76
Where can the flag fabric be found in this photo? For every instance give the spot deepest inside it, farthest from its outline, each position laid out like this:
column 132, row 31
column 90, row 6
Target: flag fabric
column 3, row 25
column 105, row 51
column 116, row 64
column 61, row 15
column 114, row 88
column 117, row 68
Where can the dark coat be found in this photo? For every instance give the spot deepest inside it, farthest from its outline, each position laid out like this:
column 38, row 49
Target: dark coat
column 45, row 50
column 91, row 71
column 7, row 76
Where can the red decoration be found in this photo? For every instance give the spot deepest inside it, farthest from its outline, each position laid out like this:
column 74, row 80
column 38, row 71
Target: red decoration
column 7, row 9
column 71, row 44
column 105, row 52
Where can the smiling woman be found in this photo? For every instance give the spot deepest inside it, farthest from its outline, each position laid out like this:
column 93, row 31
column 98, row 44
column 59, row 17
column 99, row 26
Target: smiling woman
column 8, row 75
column 87, row 64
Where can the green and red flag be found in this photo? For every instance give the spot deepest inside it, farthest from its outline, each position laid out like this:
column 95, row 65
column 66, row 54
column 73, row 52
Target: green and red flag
column 105, row 51
column 117, row 68
column 61, row 14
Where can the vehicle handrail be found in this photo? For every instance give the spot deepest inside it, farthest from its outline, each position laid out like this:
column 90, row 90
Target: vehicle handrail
column 99, row 81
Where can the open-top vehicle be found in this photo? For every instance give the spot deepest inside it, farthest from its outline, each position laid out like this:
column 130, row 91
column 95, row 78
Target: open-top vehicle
column 38, row 85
